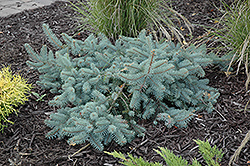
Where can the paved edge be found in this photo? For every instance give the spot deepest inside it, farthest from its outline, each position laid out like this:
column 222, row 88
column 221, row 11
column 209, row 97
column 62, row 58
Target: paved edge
column 9, row 7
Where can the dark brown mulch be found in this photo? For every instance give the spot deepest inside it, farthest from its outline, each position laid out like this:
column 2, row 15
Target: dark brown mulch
column 24, row 142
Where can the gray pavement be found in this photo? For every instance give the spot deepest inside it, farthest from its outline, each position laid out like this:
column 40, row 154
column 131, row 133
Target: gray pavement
column 8, row 7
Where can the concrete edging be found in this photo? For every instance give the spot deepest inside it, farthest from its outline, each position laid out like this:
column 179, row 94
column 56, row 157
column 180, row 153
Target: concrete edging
column 9, row 7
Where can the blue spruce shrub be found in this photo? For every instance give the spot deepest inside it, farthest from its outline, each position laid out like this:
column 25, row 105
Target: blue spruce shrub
column 106, row 89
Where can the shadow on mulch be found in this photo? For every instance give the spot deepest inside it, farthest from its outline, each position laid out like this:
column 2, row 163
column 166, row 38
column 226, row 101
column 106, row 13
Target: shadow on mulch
column 24, row 142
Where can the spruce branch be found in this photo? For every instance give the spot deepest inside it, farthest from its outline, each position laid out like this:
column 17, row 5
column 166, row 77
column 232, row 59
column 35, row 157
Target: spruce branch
column 55, row 41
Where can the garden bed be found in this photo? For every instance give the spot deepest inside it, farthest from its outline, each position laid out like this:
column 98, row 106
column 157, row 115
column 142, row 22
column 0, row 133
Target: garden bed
column 24, row 142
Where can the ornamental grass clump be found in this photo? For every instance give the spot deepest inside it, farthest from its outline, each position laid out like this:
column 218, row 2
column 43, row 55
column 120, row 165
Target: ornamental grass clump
column 129, row 17
column 13, row 92
column 235, row 34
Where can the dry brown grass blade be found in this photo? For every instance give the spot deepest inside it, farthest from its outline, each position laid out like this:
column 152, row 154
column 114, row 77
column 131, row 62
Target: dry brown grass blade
column 237, row 152
column 187, row 23
column 244, row 47
column 69, row 157
column 247, row 73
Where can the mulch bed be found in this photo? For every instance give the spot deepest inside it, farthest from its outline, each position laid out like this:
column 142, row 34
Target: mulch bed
column 24, row 142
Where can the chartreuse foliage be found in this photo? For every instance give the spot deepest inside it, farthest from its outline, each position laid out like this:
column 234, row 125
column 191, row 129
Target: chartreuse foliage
column 13, row 92
column 106, row 89
column 212, row 156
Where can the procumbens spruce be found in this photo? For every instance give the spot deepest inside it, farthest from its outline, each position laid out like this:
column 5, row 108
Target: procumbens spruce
column 106, row 89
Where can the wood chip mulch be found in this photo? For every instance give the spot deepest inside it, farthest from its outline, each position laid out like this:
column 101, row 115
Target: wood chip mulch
column 24, row 142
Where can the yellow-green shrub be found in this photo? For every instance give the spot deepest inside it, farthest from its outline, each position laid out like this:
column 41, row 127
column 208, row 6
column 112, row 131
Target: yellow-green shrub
column 13, row 90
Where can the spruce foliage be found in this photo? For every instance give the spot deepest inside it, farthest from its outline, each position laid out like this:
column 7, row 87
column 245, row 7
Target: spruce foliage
column 106, row 89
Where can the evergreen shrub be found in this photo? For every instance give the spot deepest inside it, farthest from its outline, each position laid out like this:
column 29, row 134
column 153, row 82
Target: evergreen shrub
column 212, row 157
column 106, row 89
column 13, row 92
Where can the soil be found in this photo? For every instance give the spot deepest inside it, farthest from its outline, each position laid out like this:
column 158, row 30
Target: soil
column 24, row 142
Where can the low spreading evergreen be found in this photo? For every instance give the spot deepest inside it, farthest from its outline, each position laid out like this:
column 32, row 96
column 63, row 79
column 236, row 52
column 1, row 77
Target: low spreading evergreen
column 211, row 155
column 106, row 89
